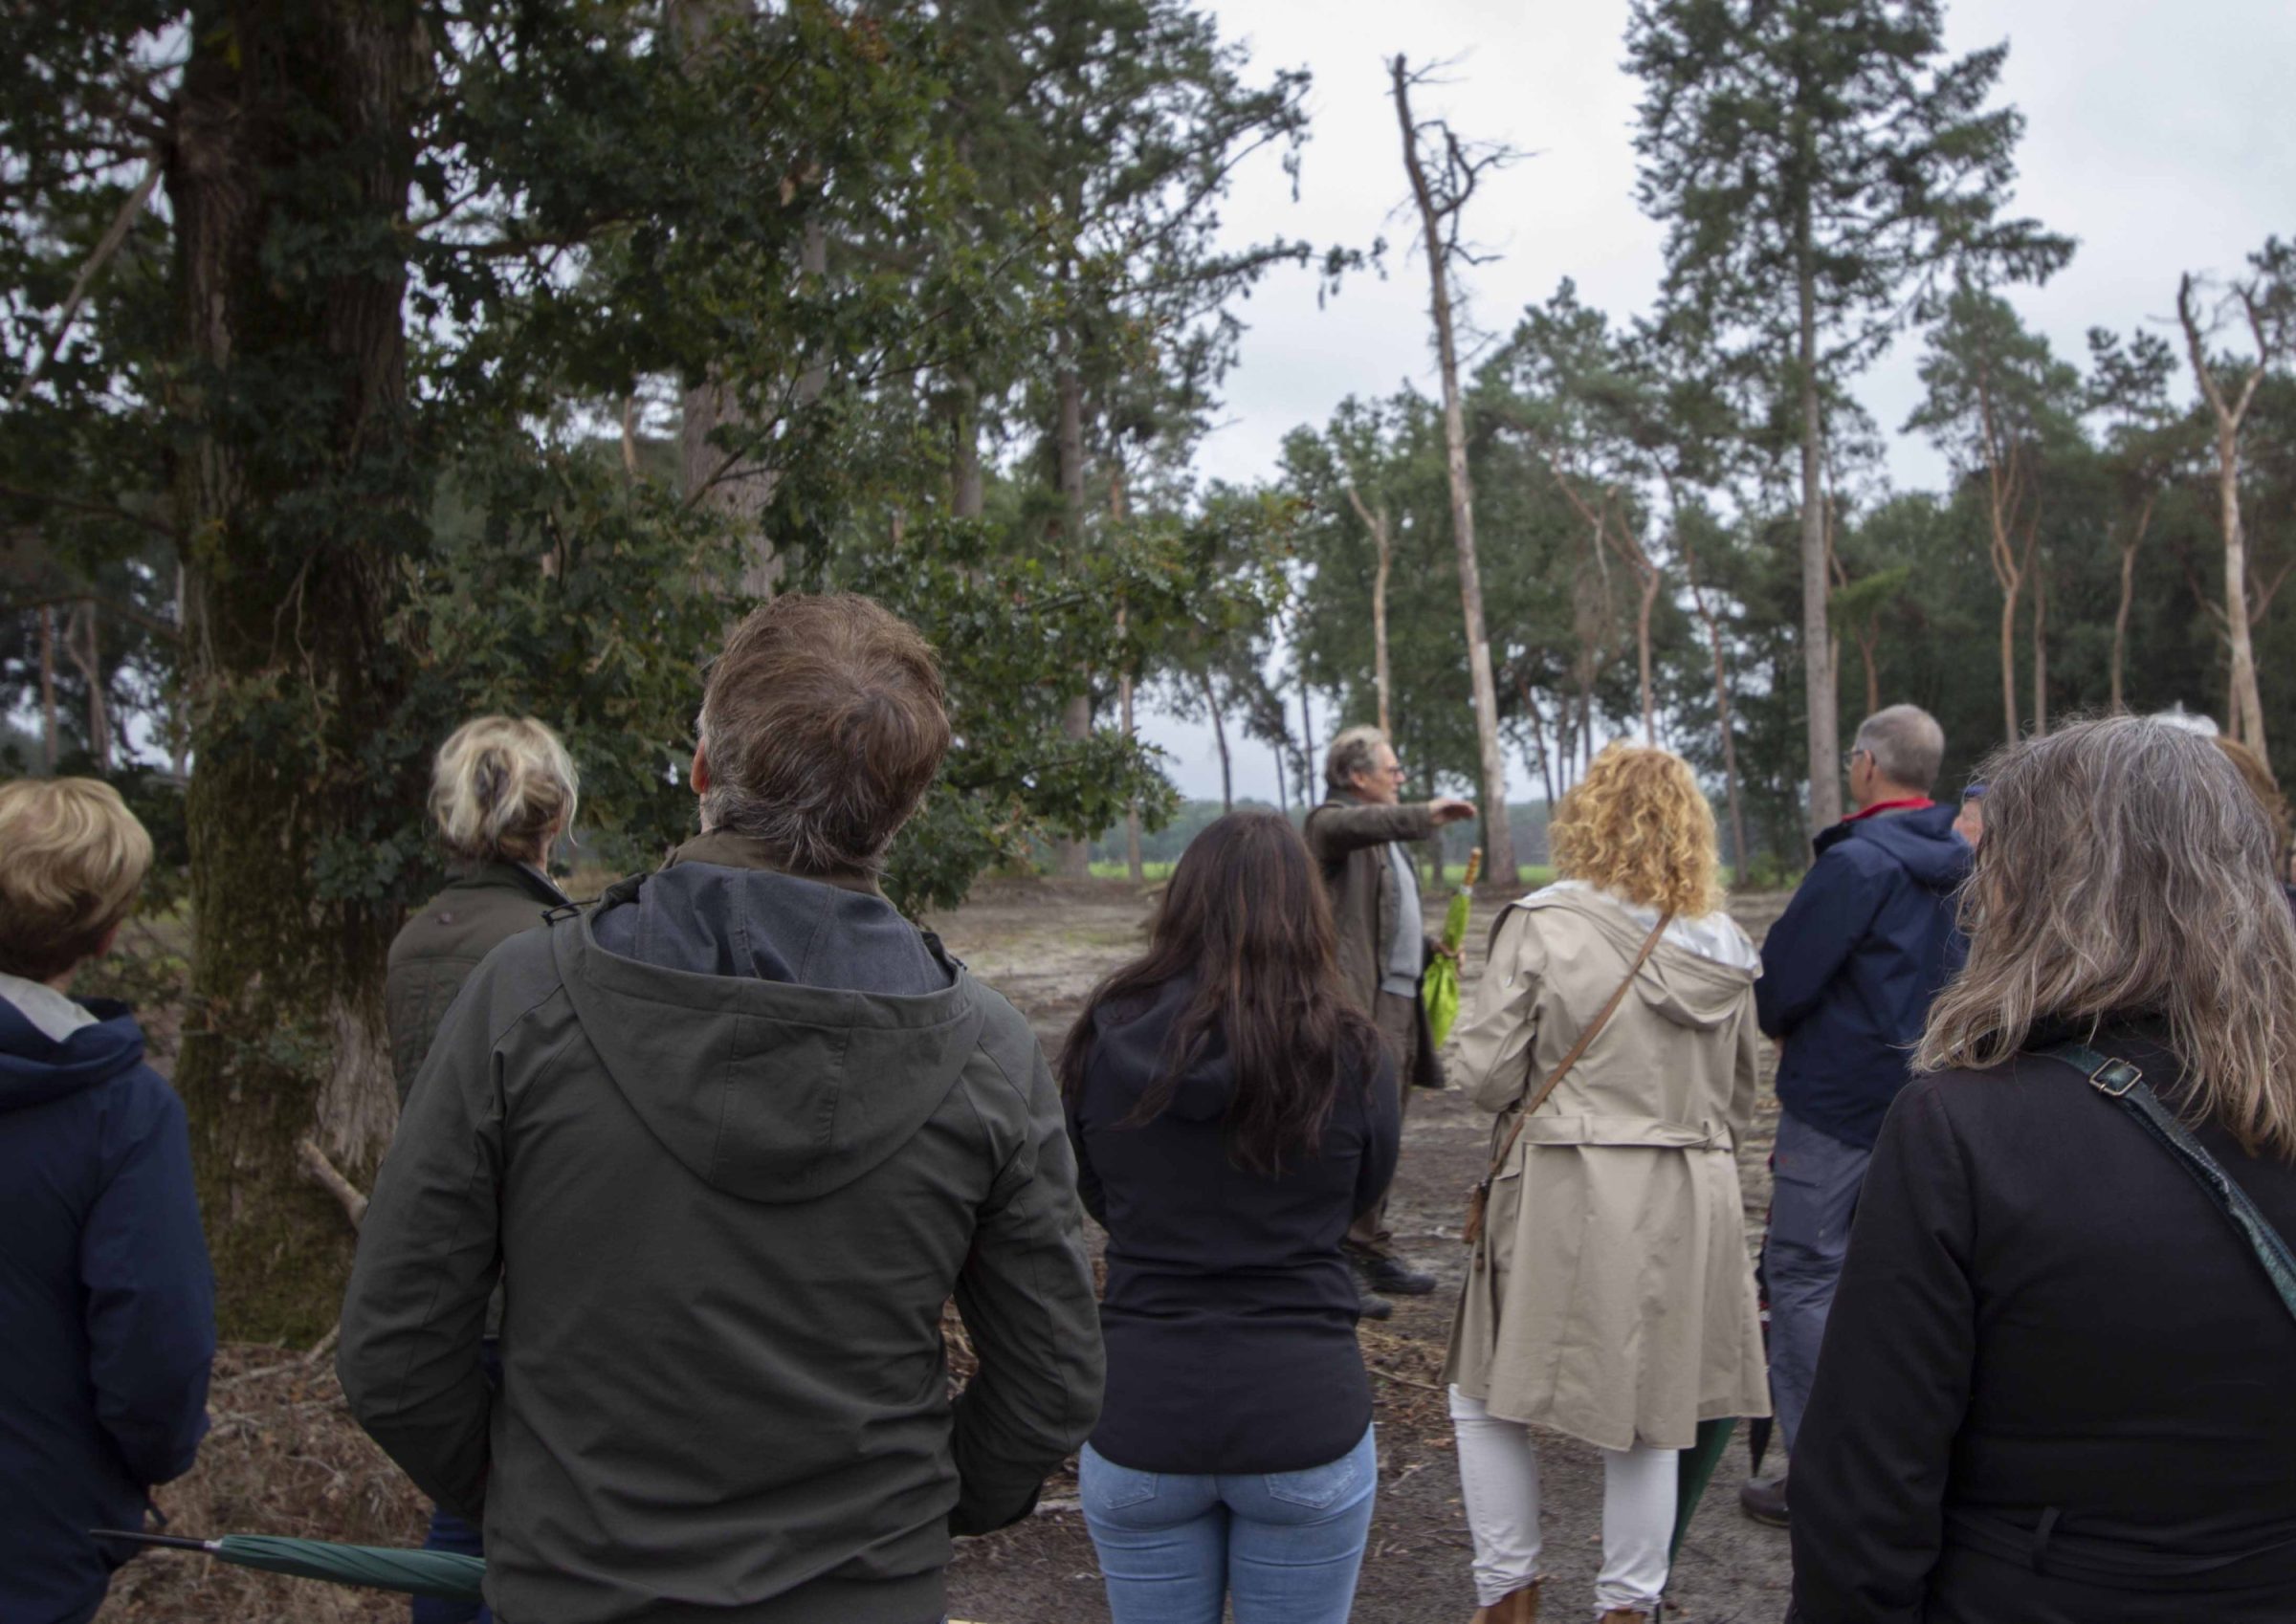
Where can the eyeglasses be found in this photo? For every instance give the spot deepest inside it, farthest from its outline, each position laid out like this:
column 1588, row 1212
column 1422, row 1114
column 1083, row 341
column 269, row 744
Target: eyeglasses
column 1849, row 761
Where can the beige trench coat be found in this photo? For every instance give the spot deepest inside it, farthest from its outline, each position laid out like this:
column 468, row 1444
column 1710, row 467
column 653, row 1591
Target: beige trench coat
column 1612, row 1297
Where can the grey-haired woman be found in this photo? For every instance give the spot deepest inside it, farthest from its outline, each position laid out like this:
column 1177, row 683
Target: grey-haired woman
column 2059, row 1382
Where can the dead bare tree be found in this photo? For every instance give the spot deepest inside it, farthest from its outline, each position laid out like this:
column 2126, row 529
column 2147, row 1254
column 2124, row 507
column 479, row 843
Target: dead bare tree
column 2228, row 392
column 2132, row 538
column 1375, row 521
column 2010, row 500
column 1442, row 194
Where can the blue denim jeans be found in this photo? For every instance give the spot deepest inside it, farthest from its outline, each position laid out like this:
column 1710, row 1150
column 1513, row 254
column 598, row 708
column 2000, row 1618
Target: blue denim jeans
column 1814, row 1195
column 1283, row 1548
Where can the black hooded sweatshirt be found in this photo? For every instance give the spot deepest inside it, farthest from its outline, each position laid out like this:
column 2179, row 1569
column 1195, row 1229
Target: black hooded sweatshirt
column 1230, row 1315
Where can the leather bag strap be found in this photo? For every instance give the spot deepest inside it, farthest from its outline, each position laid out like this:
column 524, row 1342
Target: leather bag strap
column 2122, row 1082
column 1586, row 1036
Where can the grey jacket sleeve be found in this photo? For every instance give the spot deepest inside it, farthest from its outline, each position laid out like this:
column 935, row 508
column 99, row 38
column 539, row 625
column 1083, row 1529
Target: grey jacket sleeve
column 429, row 1255
column 1333, row 831
column 1026, row 1293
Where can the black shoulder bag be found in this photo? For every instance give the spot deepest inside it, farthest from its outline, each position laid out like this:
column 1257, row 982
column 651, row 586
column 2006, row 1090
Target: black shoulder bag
column 2124, row 1084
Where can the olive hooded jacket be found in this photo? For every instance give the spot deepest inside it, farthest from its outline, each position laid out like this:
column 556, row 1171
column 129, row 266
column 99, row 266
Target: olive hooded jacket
column 732, row 1139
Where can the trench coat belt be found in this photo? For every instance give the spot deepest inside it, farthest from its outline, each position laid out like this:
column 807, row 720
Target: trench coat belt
column 1651, row 1131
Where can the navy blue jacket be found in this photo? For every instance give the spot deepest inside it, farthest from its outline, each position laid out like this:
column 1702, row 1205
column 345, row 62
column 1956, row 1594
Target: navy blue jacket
column 107, row 1306
column 1850, row 967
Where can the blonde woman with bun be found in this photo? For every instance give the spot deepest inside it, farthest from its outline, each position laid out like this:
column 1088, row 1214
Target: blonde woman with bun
column 1610, row 1296
column 502, row 790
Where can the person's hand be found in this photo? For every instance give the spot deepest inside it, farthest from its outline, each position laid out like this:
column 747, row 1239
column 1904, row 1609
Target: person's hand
column 1448, row 810
column 1449, row 953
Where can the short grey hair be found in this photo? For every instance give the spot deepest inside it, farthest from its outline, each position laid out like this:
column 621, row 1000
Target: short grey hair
column 1906, row 745
column 1354, row 752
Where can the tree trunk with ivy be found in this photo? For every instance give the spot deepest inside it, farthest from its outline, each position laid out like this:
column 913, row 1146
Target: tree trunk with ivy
column 294, row 498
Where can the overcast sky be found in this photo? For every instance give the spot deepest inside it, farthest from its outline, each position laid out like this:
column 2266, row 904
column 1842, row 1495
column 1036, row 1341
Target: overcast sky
column 2159, row 135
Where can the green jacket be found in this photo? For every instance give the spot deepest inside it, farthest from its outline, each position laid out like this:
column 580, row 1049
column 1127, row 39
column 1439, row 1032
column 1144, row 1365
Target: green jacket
column 436, row 951
column 1350, row 839
column 733, row 1138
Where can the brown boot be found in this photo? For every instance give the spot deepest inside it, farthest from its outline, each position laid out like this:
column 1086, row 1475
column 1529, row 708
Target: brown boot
column 1624, row 1615
column 1516, row 1606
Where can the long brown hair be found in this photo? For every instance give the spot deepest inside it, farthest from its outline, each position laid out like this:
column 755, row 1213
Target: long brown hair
column 1246, row 919
column 2127, row 870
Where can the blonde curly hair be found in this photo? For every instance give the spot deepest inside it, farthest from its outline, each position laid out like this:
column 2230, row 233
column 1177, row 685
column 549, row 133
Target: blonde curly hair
column 1639, row 826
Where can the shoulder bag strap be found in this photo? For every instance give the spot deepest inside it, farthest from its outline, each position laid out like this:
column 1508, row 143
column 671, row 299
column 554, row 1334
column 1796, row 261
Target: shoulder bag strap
column 2119, row 1081
column 1586, row 1036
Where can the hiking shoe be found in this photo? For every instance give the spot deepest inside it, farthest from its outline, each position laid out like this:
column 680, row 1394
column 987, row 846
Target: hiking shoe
column 1380, row 1272
column 1764, row 1499
column 1372, row 1306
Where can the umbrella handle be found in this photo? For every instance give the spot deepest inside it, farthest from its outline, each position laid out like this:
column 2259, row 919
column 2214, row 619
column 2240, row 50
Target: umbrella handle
column 171, row 1542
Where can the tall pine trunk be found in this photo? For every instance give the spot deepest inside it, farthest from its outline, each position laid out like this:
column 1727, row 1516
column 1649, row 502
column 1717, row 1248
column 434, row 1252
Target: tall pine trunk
column 1498, row 843
column 2120, row 615
column 1384, row 560
column 2248, row 710
column 2248, row 721
column 1722, row 719
column 2041, row 647
column 1211, row 709
column 292, row 671
column 1825, row 729
column 1308, row 788
column 1073, row 858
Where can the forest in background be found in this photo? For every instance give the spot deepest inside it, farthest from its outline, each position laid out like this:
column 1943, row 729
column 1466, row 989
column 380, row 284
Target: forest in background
column 372, row 364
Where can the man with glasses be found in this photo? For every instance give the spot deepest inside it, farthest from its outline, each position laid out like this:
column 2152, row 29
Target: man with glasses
column 1848, row 973
column 1383, row 947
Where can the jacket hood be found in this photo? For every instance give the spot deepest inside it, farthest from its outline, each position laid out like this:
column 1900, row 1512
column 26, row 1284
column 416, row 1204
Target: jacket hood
column 1128, row 1051
column 1923, row 842
column 1685, row 987
column 35, row 1068
column 779, row 1036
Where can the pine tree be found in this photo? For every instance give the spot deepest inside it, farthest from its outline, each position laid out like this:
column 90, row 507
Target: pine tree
column 1817, row 164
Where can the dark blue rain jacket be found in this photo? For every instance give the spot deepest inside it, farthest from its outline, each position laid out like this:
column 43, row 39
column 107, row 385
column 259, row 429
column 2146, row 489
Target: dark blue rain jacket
column 107, row 1306
column 1850, row 967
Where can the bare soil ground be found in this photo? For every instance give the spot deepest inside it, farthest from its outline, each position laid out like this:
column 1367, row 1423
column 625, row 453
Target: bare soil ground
column 285, row 1457
column 1044, row 946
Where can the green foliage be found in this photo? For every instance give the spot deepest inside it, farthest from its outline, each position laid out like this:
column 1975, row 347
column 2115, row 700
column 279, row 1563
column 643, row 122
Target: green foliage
column 1827, row 147
column 1011, row 627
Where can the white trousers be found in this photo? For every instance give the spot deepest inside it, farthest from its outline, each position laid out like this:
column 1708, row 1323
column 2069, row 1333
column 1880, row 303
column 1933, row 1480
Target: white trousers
column 1498, row 1469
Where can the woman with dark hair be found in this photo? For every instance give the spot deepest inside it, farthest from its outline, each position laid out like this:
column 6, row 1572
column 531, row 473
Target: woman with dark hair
column 2056, row 1378
column 1232, row 1111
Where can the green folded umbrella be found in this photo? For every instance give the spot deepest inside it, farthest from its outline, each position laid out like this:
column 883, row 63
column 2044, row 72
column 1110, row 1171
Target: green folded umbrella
column 440, row 1573
column 1441, row 988
column 1694, row 1470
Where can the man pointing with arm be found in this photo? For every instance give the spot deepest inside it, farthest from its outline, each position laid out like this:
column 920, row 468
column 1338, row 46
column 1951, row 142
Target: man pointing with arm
column 1383, row 946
